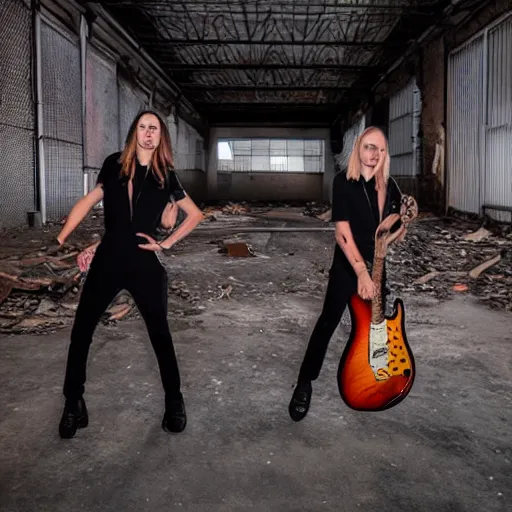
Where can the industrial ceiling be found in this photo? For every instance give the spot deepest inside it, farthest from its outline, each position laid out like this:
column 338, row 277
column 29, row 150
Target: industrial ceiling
column 271, row 60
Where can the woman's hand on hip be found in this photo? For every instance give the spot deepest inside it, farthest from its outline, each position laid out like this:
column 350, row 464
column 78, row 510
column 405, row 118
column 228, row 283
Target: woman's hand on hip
column 152, row 244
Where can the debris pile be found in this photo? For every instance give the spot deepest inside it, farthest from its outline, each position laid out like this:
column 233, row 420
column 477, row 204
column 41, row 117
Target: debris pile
column 445, row 258
column 182, row 290
column 39, row 292
column 230, row 208
column 318, row 210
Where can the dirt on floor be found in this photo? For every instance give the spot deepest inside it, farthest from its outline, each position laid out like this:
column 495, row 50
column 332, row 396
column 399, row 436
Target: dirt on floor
column 40, row 283
column 240, row 327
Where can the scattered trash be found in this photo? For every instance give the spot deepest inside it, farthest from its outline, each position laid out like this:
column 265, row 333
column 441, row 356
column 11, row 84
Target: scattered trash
column 477, row 236
column 225, row 291
column 40, row 291
column 40, row 286
column 326, row 217
column 230, row 208
column 319, row 210
column 236, row 249
column 427, row 277
column 119, row 311
column 475, row 273
column 181, row 289
column 448, row 256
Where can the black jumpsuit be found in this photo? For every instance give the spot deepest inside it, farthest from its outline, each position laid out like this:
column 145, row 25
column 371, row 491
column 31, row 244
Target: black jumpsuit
column 120, row 264
column 355, row 202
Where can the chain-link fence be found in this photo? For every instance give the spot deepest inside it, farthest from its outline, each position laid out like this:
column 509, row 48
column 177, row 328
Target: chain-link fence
column 17, row 182
column 112, row 100
column 102, row 111
column 62, row 120
column 131, row 101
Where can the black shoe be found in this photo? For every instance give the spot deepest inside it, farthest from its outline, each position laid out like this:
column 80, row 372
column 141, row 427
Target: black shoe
column 175, row 417
column 74, row 416
column 299, row 404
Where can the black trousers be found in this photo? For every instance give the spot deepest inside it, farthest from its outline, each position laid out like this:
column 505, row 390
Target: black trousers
column 113, row 269
column 341, row 286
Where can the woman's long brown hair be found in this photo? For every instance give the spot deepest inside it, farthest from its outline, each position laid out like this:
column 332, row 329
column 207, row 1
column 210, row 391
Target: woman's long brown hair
column 162, row 160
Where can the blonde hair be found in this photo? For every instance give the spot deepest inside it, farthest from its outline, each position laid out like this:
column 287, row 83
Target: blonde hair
column 355, row 164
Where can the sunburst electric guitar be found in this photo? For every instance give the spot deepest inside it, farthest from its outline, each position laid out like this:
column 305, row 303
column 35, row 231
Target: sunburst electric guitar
column 376, row 370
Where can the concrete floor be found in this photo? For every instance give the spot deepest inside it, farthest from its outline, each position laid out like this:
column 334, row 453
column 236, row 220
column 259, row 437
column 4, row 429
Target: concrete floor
column 447, row 447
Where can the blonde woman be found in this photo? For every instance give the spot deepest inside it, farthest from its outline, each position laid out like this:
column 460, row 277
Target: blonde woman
column 362, row 197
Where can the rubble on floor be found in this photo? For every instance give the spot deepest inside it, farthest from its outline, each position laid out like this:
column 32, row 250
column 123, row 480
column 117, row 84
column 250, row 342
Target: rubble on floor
column 316, row 209
column 235, row 249
column 447, row 256
column 39, row 290
column 231, row 208
column 40, row 284
column 319, row 210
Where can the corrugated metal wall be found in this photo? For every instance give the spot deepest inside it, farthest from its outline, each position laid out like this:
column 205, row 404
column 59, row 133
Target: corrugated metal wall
column 112, row 100
column 188, row 146
column 62, row 120
column 480, row 122
column 17, row 183
column 131, row 100
column 498, row 136
column 464, row 125
column 404, row 120
column 102, row 111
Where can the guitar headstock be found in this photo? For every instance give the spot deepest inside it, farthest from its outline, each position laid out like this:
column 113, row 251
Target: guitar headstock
column 408, row 209
column 394, row 225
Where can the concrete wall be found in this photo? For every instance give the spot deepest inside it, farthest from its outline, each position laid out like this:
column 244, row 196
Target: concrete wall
column 189, row 157
column 194, row 182
column 269, row 186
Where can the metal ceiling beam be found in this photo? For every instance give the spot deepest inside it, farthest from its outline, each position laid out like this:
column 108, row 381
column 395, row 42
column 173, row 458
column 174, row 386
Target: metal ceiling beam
column 265, row 87
column 251, row 105
column 152, row 44
column 178, row 66
column 340, row 4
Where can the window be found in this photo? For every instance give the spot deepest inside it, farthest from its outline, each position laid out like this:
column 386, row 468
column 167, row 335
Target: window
column 271, row 155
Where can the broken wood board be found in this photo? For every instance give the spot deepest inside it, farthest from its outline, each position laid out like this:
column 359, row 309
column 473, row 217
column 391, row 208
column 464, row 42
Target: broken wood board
column 475, row 273
column 5, row 289
column 237, row 249
column 477, row 236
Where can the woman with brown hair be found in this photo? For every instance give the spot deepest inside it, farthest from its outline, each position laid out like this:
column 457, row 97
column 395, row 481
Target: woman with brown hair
column 136, row 187
column 362, row 197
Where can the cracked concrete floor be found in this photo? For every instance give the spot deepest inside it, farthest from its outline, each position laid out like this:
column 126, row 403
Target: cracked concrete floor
column 447, row 447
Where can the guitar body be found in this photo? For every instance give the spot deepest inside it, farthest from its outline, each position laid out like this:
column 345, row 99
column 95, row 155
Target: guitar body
column 362, row 387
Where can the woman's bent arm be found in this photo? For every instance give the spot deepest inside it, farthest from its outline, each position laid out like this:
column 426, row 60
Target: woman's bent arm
column 78, row 213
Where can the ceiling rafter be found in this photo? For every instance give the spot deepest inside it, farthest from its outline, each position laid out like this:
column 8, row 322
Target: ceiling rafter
column 178, row 66
column 253, row 56
column 332, row 5
column 263, row 87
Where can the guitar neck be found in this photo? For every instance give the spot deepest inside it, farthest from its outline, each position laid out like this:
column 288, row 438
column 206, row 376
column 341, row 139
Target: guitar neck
column 377, row 303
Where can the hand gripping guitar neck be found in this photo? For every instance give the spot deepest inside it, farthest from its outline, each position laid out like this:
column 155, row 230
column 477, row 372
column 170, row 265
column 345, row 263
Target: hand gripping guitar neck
column 376, row 370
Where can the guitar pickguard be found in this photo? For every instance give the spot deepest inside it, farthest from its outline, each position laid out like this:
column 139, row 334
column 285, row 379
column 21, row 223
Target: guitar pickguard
column 378, row 350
